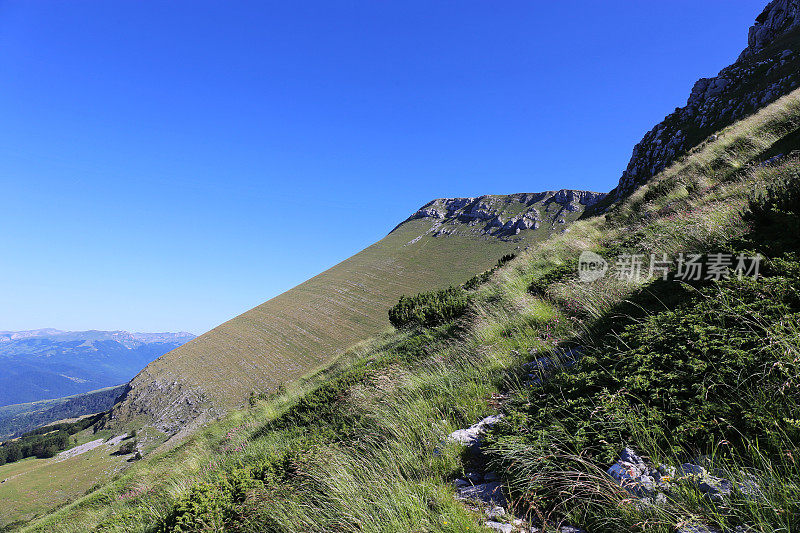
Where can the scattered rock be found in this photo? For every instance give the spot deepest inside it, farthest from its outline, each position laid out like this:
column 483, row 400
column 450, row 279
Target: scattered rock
column 495, row 512
column 488, row 493
column 471, row 436
column 541, row 367
column 649, row 484
column 635, row 476
column 715, row 487
column 499, row 526
column 689, row 468
column 491, row 476
column 772, row 160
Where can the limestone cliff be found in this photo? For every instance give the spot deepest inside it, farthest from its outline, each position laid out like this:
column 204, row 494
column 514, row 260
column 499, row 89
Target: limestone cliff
column 507, row 215
column 768, row 68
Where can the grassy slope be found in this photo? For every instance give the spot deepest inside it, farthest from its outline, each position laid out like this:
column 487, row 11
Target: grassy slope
column 34, row 486
column 306, row 326
column 394, row 473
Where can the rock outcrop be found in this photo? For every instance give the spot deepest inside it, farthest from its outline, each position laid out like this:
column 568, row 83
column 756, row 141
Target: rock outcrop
column 767, row 69
column 509, row 215
column 170, row 405
column 779, row 17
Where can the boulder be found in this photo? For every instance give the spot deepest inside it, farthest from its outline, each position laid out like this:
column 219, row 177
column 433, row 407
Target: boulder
column 499, row 526
column 488, row 493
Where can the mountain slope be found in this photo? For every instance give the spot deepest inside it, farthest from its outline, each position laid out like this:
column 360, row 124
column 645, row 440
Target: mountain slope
column 446, row 242
column 48, row 363
column 362, row 446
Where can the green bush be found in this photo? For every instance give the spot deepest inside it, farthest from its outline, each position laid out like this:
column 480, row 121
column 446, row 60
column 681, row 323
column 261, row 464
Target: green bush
column 209, row 505
column 429, row 309
column 34, row 445
column 128, row 447
column 320, row 407
column 712, row 367
column 217, row 504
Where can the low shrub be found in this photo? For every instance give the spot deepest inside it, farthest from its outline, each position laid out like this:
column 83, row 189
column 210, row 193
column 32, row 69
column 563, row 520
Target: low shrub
column 128, row 447
column 209, row 505
column 429, row 309
column 711, row 368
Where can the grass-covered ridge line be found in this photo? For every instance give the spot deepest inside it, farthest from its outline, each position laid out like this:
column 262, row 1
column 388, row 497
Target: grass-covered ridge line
column 361, row 445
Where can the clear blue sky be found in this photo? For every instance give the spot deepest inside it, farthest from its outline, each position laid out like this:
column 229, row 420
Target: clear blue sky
column 167, row 165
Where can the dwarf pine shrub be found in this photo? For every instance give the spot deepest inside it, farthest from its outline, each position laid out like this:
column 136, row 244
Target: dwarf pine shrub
column 429, row 309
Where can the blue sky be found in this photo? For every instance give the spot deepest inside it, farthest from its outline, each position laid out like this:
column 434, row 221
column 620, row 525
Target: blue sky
column 167, row 165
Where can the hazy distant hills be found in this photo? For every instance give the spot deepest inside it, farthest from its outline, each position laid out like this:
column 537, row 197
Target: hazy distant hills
column 48, row 363
column 22, row 417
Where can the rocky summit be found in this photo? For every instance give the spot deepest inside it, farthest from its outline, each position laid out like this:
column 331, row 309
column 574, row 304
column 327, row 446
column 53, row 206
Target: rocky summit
column 504, row 216
column 767, row 69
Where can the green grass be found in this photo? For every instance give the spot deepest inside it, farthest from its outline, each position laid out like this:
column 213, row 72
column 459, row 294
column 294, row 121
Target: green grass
column 35, row 486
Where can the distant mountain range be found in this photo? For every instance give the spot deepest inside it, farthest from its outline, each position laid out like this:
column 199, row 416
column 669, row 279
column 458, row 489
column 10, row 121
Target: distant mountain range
column 48, row 363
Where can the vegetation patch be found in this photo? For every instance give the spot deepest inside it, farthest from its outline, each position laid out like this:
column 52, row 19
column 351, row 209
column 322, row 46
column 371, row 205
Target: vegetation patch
column 429, row 309
column 44, row 442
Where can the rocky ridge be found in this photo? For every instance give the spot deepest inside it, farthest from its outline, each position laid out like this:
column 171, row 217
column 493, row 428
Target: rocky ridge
column 778, row 17
column 505, row 216
column 767, row 69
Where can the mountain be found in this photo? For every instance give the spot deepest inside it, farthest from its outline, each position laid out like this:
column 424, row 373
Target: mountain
column 767, row 69
column 19, row 418
column 553, row 403
column 48, row 363
column 626, row 403
column 445, row 242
